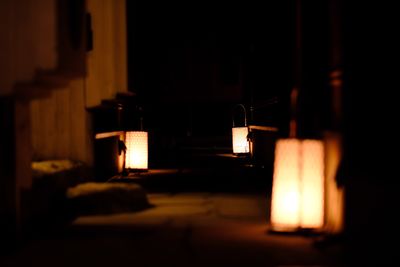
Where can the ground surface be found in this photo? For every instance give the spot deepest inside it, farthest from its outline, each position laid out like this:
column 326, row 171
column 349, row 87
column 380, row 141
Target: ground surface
column 184, row 229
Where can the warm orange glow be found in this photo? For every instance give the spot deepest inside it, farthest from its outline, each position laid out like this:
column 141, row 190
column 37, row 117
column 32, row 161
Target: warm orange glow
column 312, row 184
column 285, row 210
column 136, row 150
column 298, row 185
column 239, row 140
column 334, row 194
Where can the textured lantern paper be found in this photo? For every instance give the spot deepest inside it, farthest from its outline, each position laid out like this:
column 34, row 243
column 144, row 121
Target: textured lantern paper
column 239, row 140
column 298, row 185
column 136, row 150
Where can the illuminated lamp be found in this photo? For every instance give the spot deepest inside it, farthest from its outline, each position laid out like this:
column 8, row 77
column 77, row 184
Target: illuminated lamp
column 298, row 185
column 240, row 142
column 297, row 201
column 136, row 157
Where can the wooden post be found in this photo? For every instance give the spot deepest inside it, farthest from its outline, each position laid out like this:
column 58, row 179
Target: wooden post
column 8, row 192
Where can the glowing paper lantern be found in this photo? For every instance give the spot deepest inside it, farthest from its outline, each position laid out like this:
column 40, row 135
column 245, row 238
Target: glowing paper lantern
column 136, row 150
column 240, row 142
column 298, row 185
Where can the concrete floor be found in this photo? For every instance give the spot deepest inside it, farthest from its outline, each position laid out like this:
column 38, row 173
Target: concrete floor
column 184, row 229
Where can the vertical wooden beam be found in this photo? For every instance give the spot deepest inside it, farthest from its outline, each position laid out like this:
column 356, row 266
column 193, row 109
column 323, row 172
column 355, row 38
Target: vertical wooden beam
column 333, row 136
column 121, row 51
column 8, row 189
column 15, row 163
column 23, row 144
column 107, row 62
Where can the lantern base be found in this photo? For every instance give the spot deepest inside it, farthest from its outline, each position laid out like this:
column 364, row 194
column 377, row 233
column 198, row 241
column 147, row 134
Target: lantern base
column 126, row 172
column 241, row 155
column 137, row 170
column 295, row 231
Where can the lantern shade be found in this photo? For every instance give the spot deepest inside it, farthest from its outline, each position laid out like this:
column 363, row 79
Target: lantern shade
column 136, row 150
column 298, row 185
column 240, row 144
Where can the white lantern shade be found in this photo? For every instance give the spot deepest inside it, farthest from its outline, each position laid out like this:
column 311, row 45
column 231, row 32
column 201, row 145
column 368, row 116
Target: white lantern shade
column 312, row 180
column 136, row 150
column 240, row 143
column 298, row 185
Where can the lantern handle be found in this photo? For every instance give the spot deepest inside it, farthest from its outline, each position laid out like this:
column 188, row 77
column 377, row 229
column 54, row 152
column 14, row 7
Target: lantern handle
column 245, row 115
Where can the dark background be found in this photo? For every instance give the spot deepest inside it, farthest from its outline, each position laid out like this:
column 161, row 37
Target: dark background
column 211, row 56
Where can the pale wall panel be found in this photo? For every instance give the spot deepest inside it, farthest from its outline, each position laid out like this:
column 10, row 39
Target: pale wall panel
column 6, row 46
column 44, row 128
column 80, row 129
column 27, row 40
column 60, row 123
column 120, row 32
column 61, row 126
column 107, row 63
column 62, row 120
